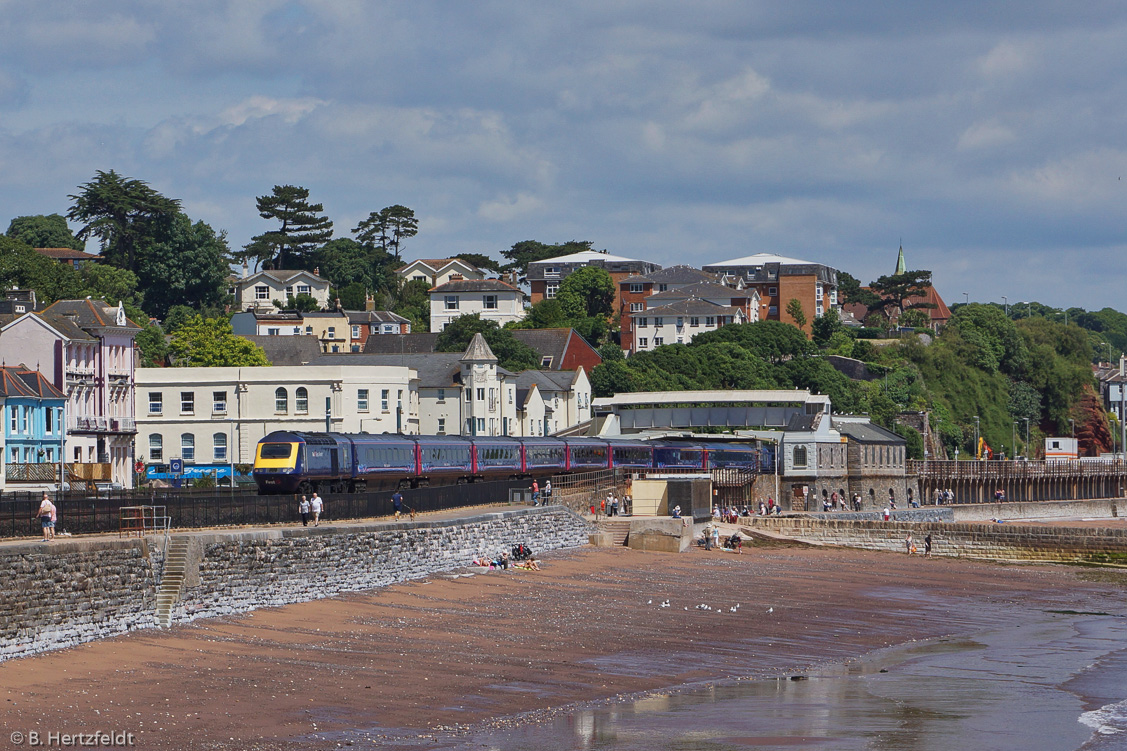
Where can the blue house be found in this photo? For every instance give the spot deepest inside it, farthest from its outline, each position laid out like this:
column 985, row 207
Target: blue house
column 34, row 431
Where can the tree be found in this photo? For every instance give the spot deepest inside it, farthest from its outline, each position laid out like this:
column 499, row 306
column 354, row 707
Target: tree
column 587, row 292
column 900, row 292
column 352, row 296
column 210, row 342
column 825, row 326
column 773, row 341
column 184, row 264
column 480, row 260
column 546, row 314
column 413, row 303
column 797, row 314
column 119, row 212
column 849, row 290
column 302, row 302
column 343, row 261
column 511, row 354
column 913, row 318
column 44, row 231
column 302, row 230
column 388, row 228
column 530, row 251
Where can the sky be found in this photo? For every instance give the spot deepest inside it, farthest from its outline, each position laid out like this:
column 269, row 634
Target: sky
column 988, row 138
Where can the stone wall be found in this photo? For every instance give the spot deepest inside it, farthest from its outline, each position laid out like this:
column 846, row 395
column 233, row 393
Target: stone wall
column 73, row 591
column 1007, row 541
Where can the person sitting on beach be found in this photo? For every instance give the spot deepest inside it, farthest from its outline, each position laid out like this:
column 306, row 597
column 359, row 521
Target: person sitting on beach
column 676, row 512
column 530, row 565
column 735, row 542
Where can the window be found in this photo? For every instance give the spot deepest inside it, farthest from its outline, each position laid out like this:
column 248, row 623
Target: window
column 799, row 456
column 362, row 400
column 304, row 289
column 510, row 396
column 491, row 302
column 308, row 329
column 551, row 271
column 273, row 332
column 355, row 332
column 659, row 340
column 694, row 321
column 546, row 361
column 643, row 342
column 481, row 395
column 773, row 310
column 663, row 288
column 710, row 320
column 301, row 400
column 442, row 395
column 643, row 323
column 281, row 400
column 188, row 447
column 659, row 322
column 49, row 421
column 187, row 402
column 442, row 426
column 480, row 425
column 156, row 402
column 384, row 394
column 332, row 332
column 680, row 322
column 772, row 291
column 418, row 278
column 261, row 292
column 388, row 328
column 636, row 288
column 219, row 447
column 219, row 402
column 450, row 302
column 14, row 412
column 550, row 289
column 637, row 307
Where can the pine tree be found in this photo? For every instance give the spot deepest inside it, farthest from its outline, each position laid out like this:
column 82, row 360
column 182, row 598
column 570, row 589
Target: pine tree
column 303, row 229
column 388, row 228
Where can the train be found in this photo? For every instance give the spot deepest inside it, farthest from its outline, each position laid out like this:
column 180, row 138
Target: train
column 301, row 462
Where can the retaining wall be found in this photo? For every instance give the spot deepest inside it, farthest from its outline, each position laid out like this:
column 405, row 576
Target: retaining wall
column 74, row 591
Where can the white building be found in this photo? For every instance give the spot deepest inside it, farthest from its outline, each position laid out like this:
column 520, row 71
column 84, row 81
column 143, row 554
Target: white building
column 491, row 299
column 85, row 348
column 260, row 290
column 217, row 415
column 438, row 271
column 679, row 322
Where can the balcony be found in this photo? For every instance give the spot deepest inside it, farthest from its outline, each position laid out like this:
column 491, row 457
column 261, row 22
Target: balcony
column 90, row 424
column 45, row 472
column 123, row 425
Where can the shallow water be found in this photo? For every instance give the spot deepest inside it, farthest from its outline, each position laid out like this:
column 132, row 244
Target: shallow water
column 1058, row 681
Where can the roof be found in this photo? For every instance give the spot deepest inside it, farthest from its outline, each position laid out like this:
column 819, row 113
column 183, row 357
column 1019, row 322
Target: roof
column 863, row 431
column 545, row 380
column 759, row 259
column 755, row 396
column 401, row 344
column 67, row 254
column 547, row 342
column 88, row 313
column 64, row 326
column 702, row 290
column 280, row 275
column 22, row 381
column 437, row 264
column 435, row 369
column 586, row 256
column 475, row 285
column 479, row 350
column 374, row 316
column 681, row 274
column 691, row 307
column 299, row 349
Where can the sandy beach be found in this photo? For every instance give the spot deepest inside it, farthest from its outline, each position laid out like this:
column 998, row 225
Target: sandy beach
column 426, row 662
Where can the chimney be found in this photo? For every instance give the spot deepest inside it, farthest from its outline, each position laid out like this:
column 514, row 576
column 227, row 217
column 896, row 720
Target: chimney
column 246, row 270
column 316, row 271
column 369, row 302
column 1123, row 365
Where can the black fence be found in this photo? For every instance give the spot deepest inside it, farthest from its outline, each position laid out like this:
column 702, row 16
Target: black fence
column 187, row 509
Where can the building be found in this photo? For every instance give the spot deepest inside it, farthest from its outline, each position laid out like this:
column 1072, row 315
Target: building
column 559, row 349
column 331, row 328
column 211, row 417
column 86, row 350
column 779, row 279
column 267, row 323
column 17, row 302
column 288, row 350
column 633, row 291
column 365, row 323
column 937, row 312
column 678, row 322
column 491, row 299
column 544, row 277
column 261, row 290
column 33, row 437
column 436, row 272
column 549, row 401
column 876, row 460
column 68, row 256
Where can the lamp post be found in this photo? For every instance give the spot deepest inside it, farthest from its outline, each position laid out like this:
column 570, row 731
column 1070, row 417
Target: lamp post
column 1013, row 437
column 1006, row 305
column 976, row 452
column 1026, row 436
column 966, row 298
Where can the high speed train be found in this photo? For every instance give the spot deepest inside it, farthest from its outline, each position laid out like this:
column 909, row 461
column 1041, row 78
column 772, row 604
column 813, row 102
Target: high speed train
column 298, row 462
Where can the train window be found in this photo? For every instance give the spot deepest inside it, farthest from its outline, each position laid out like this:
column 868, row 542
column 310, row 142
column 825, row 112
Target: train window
column 277, row 450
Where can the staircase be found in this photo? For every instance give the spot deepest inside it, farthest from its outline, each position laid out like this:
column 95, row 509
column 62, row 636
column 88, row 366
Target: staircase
column 619, row 529
column 172, row 579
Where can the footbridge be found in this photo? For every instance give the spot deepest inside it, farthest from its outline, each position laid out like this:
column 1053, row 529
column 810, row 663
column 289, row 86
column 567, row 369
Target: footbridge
column 689, row 410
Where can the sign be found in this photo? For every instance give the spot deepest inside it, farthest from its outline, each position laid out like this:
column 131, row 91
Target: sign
column 176, row 466
column 139, row 467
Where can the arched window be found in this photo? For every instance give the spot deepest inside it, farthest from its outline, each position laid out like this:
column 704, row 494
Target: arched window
column 301, row 400
column 156, row 448
column 219, row 447
column 281, row 400
column 799, row 456
column 188, row 447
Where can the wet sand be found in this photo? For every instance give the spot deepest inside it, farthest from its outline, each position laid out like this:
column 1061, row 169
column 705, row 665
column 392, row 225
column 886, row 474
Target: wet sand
column 413, row 662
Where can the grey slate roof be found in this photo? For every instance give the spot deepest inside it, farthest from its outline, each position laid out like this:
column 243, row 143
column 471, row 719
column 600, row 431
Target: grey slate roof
column 299, row 349
column 691, row 307
column 374, row 316
column 435, row 369
column 475, row 285
column 88, row 313
column 401, row 344
column 866, row 432
column 479, row 350
column 545, row 380
column 681, row 274
column 702, row 290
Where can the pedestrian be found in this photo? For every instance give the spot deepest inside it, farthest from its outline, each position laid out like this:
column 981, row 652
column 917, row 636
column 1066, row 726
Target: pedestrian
column 397, row 504
column 927, row 546
column 716, row 536
column 887, row 514
column 547, row 491
column 303, row 509
column 316, row 505
column 535, row 493
column 46, row 516
column 908, row 546
column 603, row 504
column 708, row 537
column 676, row 512
column 614, row 505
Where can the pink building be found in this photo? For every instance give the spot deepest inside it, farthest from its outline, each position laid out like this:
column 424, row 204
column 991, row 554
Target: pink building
column 86, row 349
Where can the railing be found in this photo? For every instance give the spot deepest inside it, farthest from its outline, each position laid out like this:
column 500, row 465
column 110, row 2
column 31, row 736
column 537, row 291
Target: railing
column 1017, row 470
column 46, row 472
column 123, row 424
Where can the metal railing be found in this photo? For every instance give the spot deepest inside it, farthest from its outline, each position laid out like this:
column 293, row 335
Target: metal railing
column 1001, row 470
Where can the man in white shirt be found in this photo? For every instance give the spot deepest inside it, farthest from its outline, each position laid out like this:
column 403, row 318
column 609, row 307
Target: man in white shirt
column 316, row 505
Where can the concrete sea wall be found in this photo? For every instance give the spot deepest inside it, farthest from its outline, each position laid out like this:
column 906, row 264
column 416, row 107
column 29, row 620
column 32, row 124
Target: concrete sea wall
column 73, row 591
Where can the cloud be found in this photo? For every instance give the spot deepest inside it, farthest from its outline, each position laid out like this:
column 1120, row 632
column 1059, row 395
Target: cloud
column 985, row 135
column 506, row 209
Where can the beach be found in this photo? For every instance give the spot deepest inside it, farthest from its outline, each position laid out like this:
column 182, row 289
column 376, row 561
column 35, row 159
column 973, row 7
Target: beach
column 447, row 662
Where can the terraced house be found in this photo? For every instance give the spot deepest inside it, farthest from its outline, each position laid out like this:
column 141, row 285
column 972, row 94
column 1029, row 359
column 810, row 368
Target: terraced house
column 34, row 432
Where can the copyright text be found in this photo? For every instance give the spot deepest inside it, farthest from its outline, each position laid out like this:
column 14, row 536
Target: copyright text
column 96, row 739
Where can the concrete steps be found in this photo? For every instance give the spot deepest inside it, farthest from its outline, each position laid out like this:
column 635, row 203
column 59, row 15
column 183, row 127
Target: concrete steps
column 619, row 529
column 172, row 579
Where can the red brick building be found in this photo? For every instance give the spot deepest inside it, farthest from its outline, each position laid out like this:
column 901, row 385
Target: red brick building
column 779, row 279
column 544, row 277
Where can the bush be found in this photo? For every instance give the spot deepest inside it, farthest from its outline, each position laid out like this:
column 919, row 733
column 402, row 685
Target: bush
column 868, row 333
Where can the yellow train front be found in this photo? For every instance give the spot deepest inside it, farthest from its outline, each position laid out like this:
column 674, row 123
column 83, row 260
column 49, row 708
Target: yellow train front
column 279, row 463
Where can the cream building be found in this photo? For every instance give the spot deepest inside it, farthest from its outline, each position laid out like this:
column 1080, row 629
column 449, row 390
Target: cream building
column 491, row 299
column 437, row 271
column 260, row 290
column 216, row 416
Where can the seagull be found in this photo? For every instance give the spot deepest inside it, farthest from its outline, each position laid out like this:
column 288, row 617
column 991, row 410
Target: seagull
column 770, row 610
column 650, row 602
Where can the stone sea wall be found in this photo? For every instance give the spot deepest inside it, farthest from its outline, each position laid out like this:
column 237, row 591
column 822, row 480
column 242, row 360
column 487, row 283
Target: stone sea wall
column 74, row 590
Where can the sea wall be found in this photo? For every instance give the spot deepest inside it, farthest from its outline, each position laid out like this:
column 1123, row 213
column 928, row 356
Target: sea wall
column 990, row 540
column 74, row 590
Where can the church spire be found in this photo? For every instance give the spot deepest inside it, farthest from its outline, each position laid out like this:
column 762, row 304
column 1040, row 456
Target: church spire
column 900, row 265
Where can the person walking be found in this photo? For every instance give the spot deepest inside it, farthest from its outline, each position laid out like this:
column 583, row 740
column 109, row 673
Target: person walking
column 547, row 492
column 303, row 509
column 46, row 516
column 716, row 536
column 316, row 505
column 397, row 504
column 927, row 546
column 908, row 546
column 535, row 493
column 708, row 537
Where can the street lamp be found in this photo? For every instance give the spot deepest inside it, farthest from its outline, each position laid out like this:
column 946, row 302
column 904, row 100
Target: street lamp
column 976, row 454
column 1013, row 437
column 1026, row 436
column 1006, row 305
column 966, row 298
